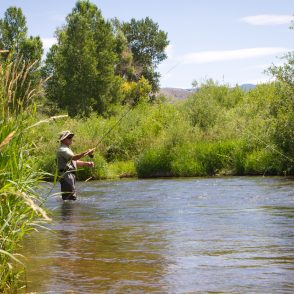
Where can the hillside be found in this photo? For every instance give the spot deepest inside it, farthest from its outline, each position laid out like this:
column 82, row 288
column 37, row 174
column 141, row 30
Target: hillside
column 180, row 94
column 176, row 93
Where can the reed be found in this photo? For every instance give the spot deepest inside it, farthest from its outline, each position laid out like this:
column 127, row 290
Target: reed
column 20, row 206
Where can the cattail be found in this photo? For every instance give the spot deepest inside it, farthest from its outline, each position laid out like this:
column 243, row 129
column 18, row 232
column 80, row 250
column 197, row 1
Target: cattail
column 7, row 139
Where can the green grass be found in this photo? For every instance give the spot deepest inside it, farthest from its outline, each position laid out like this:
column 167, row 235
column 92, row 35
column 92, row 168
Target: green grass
column 20, row 206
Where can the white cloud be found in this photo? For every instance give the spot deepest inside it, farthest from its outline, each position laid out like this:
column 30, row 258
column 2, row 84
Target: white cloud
column 48, row 42
column 227, row 55
column 268, row 19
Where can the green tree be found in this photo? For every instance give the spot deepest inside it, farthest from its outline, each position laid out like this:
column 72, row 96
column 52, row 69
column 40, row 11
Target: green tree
column 13, row 29
column 25, row 53
column 147, row 43
column 82, row 64
column 285, row 72
column 124, row 66
column 284, row 131
column 13, row 37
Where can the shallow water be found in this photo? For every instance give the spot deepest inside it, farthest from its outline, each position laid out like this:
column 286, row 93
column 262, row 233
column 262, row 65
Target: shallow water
column 232, row 235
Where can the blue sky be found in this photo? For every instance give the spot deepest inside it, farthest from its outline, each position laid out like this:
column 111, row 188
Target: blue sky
column 230, row 41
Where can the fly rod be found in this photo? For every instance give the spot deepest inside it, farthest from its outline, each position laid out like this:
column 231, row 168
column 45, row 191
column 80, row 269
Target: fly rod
column 109, row 130
column 124, row 115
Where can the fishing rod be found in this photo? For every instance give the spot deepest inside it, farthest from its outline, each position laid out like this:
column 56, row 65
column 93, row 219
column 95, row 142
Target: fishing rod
column 125, row 114
column 109, row 130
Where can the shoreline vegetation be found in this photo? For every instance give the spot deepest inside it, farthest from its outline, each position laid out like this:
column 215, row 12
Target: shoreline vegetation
column 217, row 130
column 201, row 136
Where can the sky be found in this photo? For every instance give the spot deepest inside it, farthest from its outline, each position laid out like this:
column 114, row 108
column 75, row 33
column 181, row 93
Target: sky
column 229, row 41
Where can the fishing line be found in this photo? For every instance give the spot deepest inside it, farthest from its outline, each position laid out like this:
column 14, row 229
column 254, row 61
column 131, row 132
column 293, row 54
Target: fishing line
column 116, row 123
column 126, row 113
column 270, row 147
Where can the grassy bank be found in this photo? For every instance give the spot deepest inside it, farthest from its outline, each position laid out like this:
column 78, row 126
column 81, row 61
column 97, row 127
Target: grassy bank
column 217, row 131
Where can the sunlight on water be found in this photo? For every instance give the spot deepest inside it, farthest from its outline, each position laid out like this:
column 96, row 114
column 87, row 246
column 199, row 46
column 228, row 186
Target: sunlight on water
column 168, row 235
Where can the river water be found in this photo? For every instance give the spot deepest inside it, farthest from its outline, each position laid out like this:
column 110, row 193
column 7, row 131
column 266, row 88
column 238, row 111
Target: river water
column 228, row 235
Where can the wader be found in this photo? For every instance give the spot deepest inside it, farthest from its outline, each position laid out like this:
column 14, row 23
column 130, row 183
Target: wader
column 67, row 182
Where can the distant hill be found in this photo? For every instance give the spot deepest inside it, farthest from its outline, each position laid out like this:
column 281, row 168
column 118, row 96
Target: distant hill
column 247, row 87
column 180, row 94
column 176, row 93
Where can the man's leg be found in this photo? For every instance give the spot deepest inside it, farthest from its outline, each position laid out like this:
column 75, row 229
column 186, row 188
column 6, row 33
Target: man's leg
column 68, row 189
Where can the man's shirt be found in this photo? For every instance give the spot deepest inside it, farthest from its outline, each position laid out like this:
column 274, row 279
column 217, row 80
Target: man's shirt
column 64, row 159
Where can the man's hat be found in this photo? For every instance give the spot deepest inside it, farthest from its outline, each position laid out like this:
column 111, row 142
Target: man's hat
column 65, row 134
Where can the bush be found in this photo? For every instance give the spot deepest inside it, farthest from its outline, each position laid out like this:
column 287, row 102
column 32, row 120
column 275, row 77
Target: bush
column 263, row 162
column 155, row 162
column 184, row 163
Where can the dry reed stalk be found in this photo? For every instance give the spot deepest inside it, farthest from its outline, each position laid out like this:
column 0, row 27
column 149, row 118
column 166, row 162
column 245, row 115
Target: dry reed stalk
column 7, row 75
column 27, row 71
column 28, row 200
column 7, row 139
column 16, row 75
column 47, row 120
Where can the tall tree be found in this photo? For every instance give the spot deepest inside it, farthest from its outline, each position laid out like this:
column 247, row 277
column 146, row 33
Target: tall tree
column 13, row 37
column 82, row 64
column 284, row 128
column 25, row 53
column 13, row 29
column 147, row 43
column 285, row 72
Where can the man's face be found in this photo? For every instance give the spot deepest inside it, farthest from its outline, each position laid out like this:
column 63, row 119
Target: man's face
column 67, row 141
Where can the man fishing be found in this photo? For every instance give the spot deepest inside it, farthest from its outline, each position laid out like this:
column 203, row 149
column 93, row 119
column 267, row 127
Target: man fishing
column 67, row 163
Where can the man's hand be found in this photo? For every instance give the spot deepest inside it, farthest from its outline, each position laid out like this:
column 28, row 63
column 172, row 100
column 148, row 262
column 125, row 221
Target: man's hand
column 90, row 151
column 91, row 164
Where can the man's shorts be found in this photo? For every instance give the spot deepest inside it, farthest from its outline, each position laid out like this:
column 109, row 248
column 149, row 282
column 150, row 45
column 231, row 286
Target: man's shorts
column 68, row 189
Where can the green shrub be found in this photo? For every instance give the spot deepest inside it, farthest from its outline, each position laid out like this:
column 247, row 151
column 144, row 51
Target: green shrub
column 155, row 162
column 184, row 162
column 122, row 169
column 263, row 162
column 97, row 172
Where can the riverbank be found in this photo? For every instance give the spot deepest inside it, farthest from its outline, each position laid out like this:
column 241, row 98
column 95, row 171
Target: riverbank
column 217, row 130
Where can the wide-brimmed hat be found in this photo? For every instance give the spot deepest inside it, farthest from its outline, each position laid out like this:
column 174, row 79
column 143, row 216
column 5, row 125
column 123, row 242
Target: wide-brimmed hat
column 65, row 134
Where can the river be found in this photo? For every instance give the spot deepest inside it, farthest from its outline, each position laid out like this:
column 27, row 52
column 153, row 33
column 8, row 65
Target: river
column 187, row 235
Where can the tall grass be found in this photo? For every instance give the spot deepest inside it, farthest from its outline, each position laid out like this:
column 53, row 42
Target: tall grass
column 20, row 206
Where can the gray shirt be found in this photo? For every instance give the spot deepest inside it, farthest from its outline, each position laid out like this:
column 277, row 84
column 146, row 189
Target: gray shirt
column 64, row 159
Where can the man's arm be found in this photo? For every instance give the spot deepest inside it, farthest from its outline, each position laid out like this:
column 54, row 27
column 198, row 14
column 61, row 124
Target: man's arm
column 76, row 157
column 85, row 163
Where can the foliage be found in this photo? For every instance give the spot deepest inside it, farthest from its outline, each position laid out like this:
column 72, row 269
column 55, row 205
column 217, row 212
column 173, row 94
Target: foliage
column 82, row 63
column 147, row 43
column 20, row 205
column 13, row 29
column 13, row 37
column 136, row 92
column 24, row 58
column 155, row 162
column 283, row 129
column 163, row 140
column 207, row 105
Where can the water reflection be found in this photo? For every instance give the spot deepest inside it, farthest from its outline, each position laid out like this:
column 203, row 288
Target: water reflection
column 175, row 235
column 66, row 210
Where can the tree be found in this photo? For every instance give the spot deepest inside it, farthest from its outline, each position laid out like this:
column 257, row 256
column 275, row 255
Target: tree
column 13, row 37
column 24, row 53
column 285, row 72
column 124, row 66
column 82, row 64
column 13, row 29
column 284, row 127
column 147, row 44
